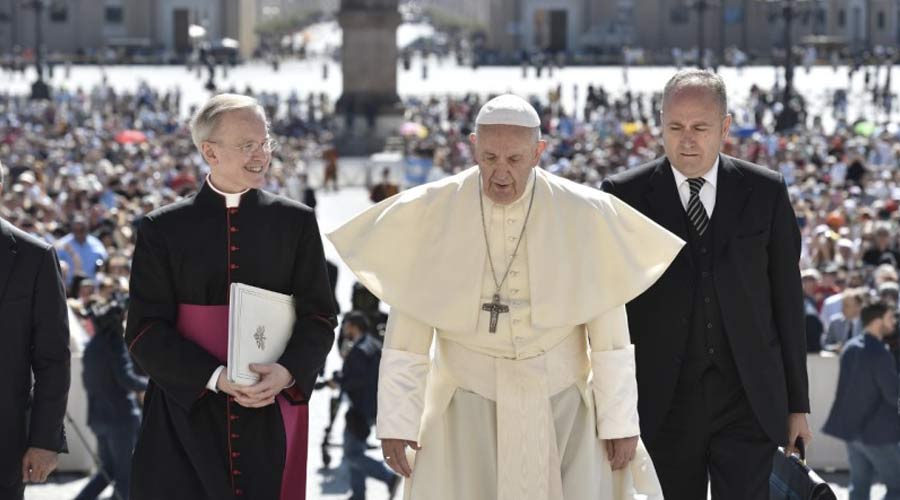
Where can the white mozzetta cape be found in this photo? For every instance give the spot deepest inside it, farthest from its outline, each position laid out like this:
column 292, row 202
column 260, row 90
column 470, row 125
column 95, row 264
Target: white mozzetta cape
column 423, row 251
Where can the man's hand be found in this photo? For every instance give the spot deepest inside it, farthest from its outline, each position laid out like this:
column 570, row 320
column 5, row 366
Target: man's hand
column 394, row 451
column 225, row 385
column 797, row 427
column 620, row 451
column 273, row 379
column 37, row 464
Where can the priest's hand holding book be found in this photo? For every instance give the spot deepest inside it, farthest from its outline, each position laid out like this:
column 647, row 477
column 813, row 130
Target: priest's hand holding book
column 273, row 379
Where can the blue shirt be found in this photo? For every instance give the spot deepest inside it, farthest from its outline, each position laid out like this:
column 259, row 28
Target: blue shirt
column 88, row 253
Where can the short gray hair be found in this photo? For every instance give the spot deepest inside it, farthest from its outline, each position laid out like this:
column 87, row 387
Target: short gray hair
column 206, row 119
column 697, row 79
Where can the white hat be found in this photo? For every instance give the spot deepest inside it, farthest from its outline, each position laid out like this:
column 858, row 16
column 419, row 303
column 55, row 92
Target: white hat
column 508, row 109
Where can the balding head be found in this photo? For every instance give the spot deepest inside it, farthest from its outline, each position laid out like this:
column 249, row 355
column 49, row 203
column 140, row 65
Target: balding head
column 697, row 80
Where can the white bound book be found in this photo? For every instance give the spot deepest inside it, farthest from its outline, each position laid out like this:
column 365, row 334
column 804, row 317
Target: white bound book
column 260, row 323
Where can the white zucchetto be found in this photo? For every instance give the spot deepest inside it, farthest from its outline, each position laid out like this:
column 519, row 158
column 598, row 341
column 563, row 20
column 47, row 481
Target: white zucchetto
column 508, row 109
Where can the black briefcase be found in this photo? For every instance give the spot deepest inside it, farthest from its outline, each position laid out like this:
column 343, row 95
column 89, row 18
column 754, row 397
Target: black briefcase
column 791, row 479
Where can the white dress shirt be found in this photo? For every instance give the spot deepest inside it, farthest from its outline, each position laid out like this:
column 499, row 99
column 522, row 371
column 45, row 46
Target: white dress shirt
column 707, row 192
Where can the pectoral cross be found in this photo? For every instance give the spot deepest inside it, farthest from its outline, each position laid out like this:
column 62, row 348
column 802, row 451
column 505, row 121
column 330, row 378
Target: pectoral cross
column 496, row 309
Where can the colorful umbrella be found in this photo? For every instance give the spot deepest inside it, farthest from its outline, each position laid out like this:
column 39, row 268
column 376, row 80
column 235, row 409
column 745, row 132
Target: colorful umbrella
column 864, row 128
column 413, row 129
column 131, row 137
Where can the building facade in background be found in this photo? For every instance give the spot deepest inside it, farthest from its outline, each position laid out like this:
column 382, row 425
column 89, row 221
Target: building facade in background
column 268, row 9
column 91, row 26
column 510, row 26
column 658, row 26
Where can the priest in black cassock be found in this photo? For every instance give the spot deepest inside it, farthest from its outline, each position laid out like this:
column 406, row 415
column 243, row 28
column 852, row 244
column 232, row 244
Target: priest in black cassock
column 202, row 436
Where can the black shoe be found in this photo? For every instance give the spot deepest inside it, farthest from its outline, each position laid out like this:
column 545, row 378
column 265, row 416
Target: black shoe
column 393, row 485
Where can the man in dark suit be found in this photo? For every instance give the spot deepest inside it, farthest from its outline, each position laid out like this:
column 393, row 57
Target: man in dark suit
column 864, row 413
column 719, row 339
column 34, row 332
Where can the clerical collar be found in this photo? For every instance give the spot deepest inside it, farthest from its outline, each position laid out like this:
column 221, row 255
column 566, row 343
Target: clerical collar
column 232, row 200
column 524, row 195
column 711, row 177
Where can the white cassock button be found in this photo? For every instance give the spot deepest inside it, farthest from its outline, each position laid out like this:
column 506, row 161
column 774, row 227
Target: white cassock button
column 512, row 238
column 515, row 291
column 516, row 322
column 510, row 221
column 513, row 273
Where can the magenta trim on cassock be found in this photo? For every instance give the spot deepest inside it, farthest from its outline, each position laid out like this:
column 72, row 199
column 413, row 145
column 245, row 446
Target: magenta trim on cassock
column 207, row 326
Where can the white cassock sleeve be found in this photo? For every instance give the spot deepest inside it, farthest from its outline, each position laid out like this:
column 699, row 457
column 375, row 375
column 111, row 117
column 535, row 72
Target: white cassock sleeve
column 401, row 377
column 614, row 383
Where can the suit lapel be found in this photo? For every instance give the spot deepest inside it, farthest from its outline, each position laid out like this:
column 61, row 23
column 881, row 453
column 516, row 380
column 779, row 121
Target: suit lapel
column 662, row 197
column 732, row 195
column 7, row 255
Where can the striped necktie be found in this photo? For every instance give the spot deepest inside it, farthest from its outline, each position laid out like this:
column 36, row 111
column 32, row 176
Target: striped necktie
column 695, row 209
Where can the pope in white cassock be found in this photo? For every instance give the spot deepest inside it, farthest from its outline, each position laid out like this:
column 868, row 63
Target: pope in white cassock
column 518, row 279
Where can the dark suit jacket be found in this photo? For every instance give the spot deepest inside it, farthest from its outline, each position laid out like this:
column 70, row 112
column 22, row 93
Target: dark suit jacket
column 865, row 405
column 34, row 332
column 109, row 377
column 359, row 381
column 756, row 249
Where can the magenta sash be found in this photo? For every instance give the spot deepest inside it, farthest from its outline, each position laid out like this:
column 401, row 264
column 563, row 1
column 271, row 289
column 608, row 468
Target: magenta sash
column 207, row 326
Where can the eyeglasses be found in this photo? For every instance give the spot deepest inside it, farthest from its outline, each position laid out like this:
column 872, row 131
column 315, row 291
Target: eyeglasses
column 248, row 148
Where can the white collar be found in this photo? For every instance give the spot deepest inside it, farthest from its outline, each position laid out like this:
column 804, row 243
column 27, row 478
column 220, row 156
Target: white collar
column 711, row 177
column 231, row 199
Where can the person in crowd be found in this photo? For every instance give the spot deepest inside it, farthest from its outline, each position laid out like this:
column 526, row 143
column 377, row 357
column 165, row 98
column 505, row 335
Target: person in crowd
column 384, row 189
column 810, row 279
column 359, row 381
column 868, row 379
column 83, row 252
column 846, row 324
column 881, row 251
column 113, row 390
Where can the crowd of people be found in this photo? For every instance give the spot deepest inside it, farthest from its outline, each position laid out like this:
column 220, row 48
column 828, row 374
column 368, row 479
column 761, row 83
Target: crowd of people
column 84, row 168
